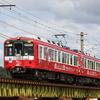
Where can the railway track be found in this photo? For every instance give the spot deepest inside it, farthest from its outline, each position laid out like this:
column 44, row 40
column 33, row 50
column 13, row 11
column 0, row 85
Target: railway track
column 19, row 81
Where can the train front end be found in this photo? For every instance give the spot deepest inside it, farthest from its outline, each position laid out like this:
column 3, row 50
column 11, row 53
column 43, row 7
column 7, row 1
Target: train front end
column 19, row 55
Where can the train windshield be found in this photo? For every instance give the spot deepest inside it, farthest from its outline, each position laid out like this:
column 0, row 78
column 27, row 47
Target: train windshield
column 28, row 49
column 9, row 50
column 20, row 48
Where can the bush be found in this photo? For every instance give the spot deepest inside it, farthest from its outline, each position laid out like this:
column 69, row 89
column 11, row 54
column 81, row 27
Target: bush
column 3, row 73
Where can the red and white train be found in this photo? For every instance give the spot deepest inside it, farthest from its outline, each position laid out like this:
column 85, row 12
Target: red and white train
column 37, row 58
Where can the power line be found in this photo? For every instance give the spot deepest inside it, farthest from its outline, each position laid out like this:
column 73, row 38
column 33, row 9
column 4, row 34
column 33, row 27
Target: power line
column 5, row 36
column 56, row 30
column 16, row 27
column 39, row 22
column 27, row 22
column 94, row 39
column 33, row 24
column 40, row 18
column 68, row 30
column 49, row 28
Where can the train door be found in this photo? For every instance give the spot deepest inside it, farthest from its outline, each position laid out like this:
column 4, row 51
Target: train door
column 18, row 54
column 45, row 57
column 50, row 58
column 42, row 57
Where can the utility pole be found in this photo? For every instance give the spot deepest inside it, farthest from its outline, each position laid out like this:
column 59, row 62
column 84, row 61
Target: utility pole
column 7, row 6
column 82, row 42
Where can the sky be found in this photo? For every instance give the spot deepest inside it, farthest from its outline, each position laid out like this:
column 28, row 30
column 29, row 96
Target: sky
column 46, row 18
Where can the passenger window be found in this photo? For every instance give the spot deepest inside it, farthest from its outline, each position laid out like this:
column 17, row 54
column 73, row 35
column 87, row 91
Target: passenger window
column 49, row 54
column 89, row 64
column 85, row 63
column 55, row 56
column 67, row 58
column 93, row 65
column 71, row 59
column 40, row 52
column 63, row 57
column 44, row 52
column 75, row 60
column 97, row 66
column 59, row 56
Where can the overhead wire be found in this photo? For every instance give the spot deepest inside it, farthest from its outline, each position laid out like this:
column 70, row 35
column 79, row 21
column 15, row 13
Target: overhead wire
column 44, row 20
column 5, row 36
column 49, row 29
column 41, row 27
column 27, row 22
column 38, row 18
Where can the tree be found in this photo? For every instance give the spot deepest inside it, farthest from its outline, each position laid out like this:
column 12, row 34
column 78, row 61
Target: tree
column 3, row 73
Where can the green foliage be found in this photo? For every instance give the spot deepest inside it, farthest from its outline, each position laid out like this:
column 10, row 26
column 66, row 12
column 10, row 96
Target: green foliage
column 3, row 73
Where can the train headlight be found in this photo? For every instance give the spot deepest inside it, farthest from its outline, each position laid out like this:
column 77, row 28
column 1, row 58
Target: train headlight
column 7, row 42
column 29, row 41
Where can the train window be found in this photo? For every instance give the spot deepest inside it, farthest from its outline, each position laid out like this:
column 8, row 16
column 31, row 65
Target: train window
column 88, row 63
column 75, row 60
column 84, row 63
column 49, row 54
column 97, row 66
column 40, row 52
column 44, row 52
column 55, row 55
column 18, row 48
column 9, row 51
column 65, row 60
column 71, row 59
column 59, row 56
column 67, row 56
column 93, row 65
column 63, row 57
column 28, row 50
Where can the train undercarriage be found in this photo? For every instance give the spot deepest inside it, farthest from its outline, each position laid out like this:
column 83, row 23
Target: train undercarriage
column 55, row 77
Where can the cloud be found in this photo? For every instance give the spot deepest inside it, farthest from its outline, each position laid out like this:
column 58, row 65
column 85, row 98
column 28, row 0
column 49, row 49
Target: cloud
column 79, row 11
column 73, row 16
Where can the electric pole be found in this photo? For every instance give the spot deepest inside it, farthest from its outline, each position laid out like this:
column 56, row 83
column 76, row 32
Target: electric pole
column 82, row 42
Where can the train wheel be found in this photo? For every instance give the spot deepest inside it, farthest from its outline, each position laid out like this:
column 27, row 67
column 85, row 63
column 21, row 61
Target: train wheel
column 79, row 81
column 69, row 79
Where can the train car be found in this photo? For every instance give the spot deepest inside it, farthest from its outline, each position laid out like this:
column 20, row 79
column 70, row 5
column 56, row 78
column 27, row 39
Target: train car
column 90, row 70
column 40, row 59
